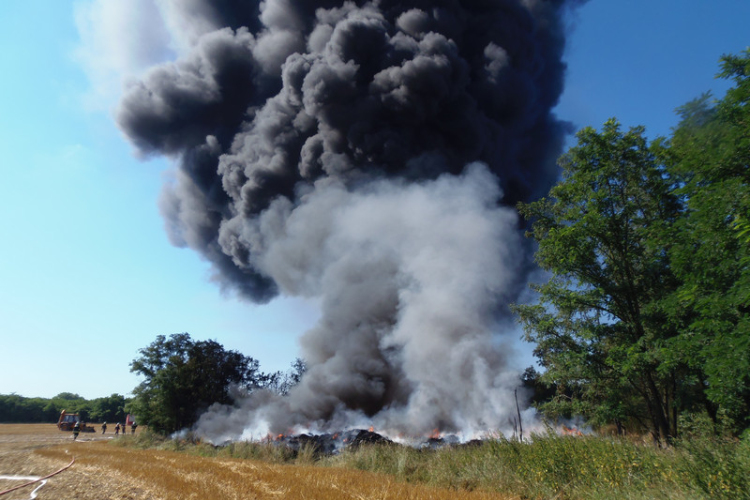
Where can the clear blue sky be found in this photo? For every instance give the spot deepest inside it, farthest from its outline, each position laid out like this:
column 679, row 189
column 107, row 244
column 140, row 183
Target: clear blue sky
column 87, row 276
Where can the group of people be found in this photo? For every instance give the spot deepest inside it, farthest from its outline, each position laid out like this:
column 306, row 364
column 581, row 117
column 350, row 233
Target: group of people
column 117, row 428
column 77, row 429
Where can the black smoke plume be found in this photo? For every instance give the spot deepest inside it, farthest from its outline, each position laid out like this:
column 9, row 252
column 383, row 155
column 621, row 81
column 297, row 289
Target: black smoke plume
column 363, row 153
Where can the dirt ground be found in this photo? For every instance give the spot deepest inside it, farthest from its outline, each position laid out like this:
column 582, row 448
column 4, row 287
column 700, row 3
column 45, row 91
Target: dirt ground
column 21, row 447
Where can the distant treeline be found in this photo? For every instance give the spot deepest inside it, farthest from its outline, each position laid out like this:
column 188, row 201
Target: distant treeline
column 18, row 409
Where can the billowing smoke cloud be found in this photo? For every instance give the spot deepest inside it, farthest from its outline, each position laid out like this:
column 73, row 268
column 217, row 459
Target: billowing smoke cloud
column 363, row 153
column 411, row 274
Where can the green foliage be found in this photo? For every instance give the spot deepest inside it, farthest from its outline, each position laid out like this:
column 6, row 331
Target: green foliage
column 68, row 396
column 711, row 255
column 599, row 326
column 184, row 377
column 552, row 466
column 557, row 464
column 18, row 409
column 645, row 314
column 108, row 409
column 282, row 382
column 537, row 391
column 719, row 469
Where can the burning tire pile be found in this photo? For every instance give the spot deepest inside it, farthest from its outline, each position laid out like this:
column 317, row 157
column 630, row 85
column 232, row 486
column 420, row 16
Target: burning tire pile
column 334, row 443
column 330, row 444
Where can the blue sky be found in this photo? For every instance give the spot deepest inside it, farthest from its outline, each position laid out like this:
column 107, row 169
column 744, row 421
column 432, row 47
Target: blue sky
column 87, row 275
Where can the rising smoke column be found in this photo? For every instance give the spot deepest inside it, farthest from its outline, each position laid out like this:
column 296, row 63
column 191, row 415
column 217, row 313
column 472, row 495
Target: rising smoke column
column 362, row 153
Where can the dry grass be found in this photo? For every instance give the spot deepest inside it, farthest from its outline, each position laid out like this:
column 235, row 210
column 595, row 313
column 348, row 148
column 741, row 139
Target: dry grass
column 177, row 475
column 105, row 471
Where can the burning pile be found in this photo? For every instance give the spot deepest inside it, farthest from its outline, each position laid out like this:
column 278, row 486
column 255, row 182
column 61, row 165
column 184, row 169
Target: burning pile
column 364, row 154
column 333, row 443
column 330, row 444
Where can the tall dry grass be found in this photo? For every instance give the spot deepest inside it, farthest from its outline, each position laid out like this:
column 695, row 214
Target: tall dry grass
column 187, row 474
column 564, row 467
column 550, row 466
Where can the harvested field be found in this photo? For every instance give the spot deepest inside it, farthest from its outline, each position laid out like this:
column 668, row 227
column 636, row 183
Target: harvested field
column 103, row 471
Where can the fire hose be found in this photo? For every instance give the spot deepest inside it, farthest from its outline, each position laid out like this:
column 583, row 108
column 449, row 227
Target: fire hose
column 38, row 479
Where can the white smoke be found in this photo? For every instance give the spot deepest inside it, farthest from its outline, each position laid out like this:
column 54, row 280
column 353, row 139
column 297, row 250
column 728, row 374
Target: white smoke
column 410, row 277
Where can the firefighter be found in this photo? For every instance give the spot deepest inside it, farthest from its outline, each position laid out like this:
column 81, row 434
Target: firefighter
column 76, row 430
column 104, row 427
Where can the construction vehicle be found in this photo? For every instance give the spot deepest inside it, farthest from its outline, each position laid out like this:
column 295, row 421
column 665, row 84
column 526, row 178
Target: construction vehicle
column 67, row 421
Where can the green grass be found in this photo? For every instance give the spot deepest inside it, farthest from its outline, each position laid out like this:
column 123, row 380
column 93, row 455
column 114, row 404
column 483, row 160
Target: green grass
column 548, row 467
column 569, row 467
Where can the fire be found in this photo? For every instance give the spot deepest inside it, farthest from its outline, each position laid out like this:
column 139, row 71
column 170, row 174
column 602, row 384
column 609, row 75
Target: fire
column 372, row 428
column 570, row 431
column 435, row 434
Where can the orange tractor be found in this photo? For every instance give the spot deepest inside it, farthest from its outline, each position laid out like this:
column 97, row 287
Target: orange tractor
column 68, row 420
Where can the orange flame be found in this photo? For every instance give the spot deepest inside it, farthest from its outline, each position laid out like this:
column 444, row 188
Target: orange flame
column 372, row 428
column 435, row 434
column 570, row 431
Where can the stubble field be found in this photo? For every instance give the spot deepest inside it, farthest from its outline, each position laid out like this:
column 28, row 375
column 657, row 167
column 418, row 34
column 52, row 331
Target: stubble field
column 104, row 471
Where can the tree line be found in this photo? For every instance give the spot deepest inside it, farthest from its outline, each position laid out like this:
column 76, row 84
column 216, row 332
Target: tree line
column 643, row 321
column 19, row 409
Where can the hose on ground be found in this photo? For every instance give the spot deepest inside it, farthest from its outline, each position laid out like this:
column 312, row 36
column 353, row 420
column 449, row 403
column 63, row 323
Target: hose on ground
column 37, row 480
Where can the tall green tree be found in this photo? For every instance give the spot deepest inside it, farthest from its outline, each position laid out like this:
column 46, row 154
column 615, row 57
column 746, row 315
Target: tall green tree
column 108, row 409
column 711, row 257
column 600, row 324
column 184, row 377
column 72, row 403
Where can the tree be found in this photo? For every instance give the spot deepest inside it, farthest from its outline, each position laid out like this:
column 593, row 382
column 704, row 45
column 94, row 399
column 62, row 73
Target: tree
column 600, row 324
column 537, row 391
column 17, row 409
column 108, row 409
column 184, row 377
column 68, row 396
column 72, row 403
column 645, row 315
column 282, row 382
column 297, row 370
column 711, row 256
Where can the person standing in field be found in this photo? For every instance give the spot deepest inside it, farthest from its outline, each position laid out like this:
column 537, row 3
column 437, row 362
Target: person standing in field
column 104, row 427
column 117, row 429
column 133, row 426
column 76, row 430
